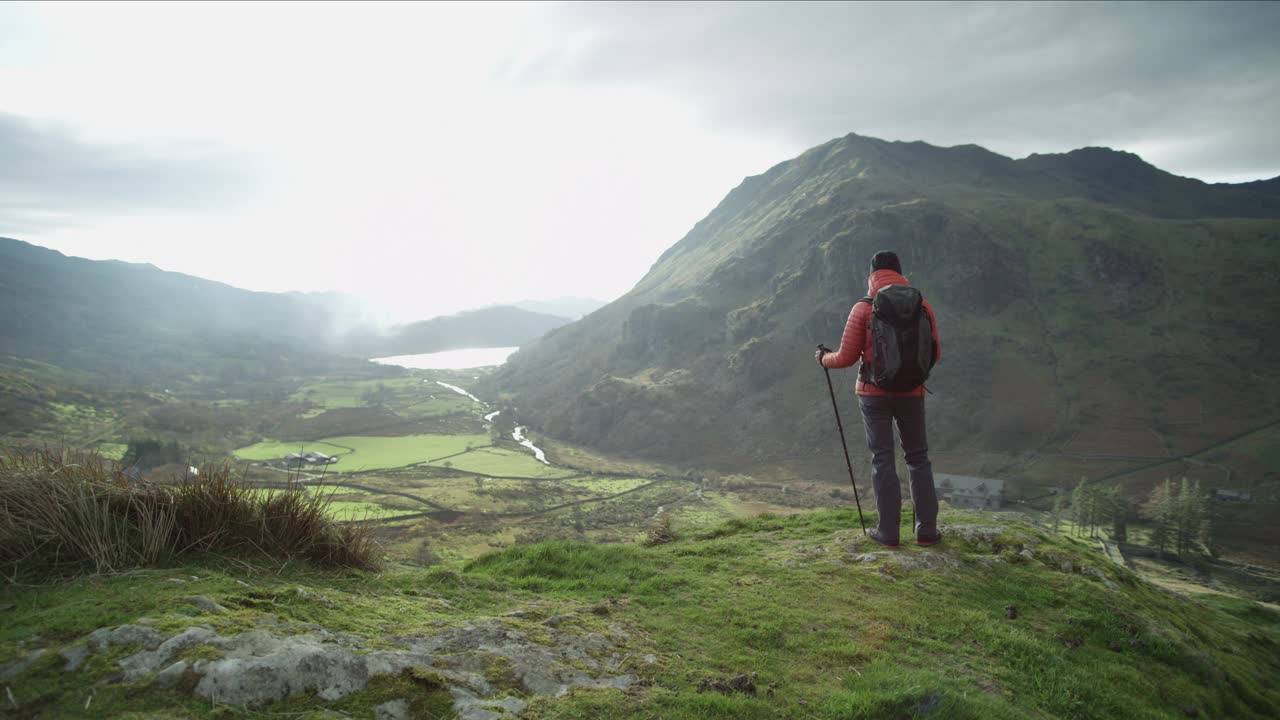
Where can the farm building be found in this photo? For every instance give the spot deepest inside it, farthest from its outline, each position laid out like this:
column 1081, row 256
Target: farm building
column 966, row 491
column 1225, row 495
column 311, row 458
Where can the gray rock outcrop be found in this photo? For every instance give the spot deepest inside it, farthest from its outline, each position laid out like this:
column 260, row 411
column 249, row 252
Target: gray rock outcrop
column 257, row 666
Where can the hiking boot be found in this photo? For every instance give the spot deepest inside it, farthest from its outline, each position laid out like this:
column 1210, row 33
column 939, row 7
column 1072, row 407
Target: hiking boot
column 874, row 534
column 927, row 539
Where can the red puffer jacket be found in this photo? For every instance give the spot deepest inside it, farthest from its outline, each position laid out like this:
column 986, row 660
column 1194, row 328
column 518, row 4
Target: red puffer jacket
column 856, row 343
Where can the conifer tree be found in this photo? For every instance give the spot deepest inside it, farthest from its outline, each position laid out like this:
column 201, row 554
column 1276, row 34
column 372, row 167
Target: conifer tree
column 1089, row 505
column 1080, row 506
column 1159, row 510
column 1118, row 512
column 1188, row 516
column 1059, row 509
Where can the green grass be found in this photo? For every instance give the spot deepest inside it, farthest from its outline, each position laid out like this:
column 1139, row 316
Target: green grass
column 111, row 451
column 872, row 640
column 783, row 600
column 72, row 421
column 380, row 453
column 502, row 462
column 73, row 413
column 275, row 449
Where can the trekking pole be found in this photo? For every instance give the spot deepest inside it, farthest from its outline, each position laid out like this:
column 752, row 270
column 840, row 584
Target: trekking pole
column 843, row 443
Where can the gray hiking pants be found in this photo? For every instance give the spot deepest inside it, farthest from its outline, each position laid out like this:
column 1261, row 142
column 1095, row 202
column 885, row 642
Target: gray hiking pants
column 878, row 416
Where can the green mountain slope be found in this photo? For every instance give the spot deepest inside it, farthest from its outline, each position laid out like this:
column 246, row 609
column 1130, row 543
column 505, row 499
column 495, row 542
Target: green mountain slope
column 1090, row 305
column 797, row 617
column 135, row 324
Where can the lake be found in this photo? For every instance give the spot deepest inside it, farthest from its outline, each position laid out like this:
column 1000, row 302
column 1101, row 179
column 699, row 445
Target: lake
column 451, row 359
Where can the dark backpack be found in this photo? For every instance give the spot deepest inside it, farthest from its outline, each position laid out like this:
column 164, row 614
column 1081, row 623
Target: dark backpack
column 901, row 339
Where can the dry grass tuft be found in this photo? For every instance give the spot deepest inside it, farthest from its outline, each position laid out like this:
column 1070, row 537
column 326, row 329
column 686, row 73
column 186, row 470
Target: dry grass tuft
column 63, row 512
column 660, row 533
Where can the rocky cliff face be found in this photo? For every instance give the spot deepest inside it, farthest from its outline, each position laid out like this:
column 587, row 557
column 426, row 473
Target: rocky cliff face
column 1070, row 290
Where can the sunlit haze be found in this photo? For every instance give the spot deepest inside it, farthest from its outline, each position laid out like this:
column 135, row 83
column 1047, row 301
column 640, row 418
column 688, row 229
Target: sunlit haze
column 437, row 157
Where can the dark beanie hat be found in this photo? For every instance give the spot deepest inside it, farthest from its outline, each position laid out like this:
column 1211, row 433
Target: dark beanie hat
column 886, row 260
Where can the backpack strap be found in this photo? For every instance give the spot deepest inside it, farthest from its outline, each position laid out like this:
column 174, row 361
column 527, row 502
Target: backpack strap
column 864, row 370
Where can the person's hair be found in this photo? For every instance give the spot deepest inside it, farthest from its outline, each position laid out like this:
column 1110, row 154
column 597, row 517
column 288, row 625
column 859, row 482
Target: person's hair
column 886, row 260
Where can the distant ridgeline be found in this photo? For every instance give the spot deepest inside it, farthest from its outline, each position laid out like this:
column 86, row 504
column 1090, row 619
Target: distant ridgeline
column 1084, row 299
column 135, row 324
column 501, row 326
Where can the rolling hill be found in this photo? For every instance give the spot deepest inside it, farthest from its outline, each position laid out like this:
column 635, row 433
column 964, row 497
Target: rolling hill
column 134, row 324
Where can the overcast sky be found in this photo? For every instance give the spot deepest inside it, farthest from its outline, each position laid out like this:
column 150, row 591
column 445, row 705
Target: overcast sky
column 433, row 158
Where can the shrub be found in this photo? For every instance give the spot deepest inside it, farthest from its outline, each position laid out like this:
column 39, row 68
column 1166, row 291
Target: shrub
column 660, row 532
column 63, row 512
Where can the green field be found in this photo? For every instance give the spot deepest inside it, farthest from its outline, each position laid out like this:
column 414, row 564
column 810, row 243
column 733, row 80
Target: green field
column 501, row 462
column 344, row 510
column 348, row 508
column 381, row 453
column 354, row 393
column 445, row 402
column 463, row 493
column 410, row 397
column 606, row 486
column 274, row 449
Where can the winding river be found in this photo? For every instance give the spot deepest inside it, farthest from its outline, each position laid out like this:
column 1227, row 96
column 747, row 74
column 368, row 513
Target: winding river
column 460, row 391
column 519, row 437
column 461, row 359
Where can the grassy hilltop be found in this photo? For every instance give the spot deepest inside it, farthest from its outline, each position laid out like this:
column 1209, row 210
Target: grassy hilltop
column 768, row 617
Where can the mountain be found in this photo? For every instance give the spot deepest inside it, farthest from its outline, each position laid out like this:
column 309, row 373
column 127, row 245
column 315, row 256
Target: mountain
column 1271, row 187
column 135, row 324
column 570, row 307
column 1093, row 309
column 501, row 326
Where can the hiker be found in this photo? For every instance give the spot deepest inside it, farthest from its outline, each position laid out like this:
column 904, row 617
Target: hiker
column 881, row 407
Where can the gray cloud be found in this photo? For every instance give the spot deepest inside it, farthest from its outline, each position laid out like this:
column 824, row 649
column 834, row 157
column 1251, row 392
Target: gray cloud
column 1195, row 86
column 51, row 177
